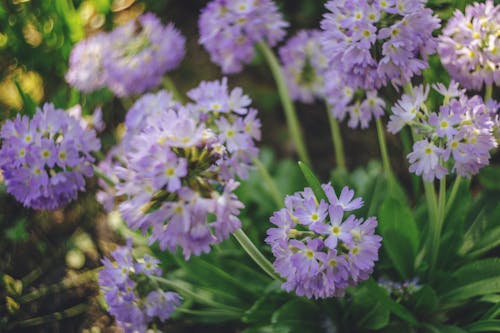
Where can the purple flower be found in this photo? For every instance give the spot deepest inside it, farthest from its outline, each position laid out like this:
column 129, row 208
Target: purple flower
column 372, row 43
column 424, row 160
column 140, row 52
column 86, row 70
column 469, row 46
column 129, row 60
column 407, row 108
column 131, row 296
column 229, row 30
column 463, row 131
column 304, row 65
column 176, row 166
column 44, row 159
column 321, row 257
column 343, row 100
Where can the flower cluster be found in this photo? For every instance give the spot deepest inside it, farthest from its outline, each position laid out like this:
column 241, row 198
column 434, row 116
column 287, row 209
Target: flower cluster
column 132, row 299
column 345, row 100
column 470, row 45
column 304, row 65
column 129, row 60
column 44, row 159
column 373, row 42
column 176, row 176
column 459, row 136
column 320, row 250
column 400, row 291
column 229, row 30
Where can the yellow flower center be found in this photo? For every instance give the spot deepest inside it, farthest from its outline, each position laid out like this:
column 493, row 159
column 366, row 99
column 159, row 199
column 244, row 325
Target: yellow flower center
column 170, row 171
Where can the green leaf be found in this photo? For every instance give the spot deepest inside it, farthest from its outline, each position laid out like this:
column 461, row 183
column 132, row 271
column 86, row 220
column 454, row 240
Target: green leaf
column 369, row 312
column 397, row 246
column 485, row 326
column 264, row 307
column 396, row 214
column 17, row 233
column 475, row 271
column 479, row 288
column 313, row 182
column 489, row 177
column 396, row 308
column 297, row 316
column 489, row 241
column 426, row 300
column 29, row 106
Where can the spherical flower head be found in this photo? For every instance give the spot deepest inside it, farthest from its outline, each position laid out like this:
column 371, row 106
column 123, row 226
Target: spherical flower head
column 179, row 164
column 86, row 71
column 372, row 43
column 45, row 159
column 345, row 100
column 320, row 247
column 304, row 65
column 470, row 46
column 140, row 52
column 132, row 298
column 460, row 134
column 229, row 30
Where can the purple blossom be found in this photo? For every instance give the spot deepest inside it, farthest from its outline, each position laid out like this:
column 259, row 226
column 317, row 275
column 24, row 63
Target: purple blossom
column 45, row 159
column 176, row 165
column 463, row 131
column 304, row 65
column 354, row 32
column 229, row 30
column 344, row 100
column 129, row 60
column 469, row 46
column 132, row 298
column 321, row 258
column 86, row 70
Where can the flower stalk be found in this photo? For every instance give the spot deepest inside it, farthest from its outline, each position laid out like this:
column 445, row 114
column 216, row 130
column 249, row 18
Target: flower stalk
column 255, row 254
column 288, row 107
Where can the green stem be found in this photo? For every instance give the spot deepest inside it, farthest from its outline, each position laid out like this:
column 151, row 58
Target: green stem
column 82, row 278
column 488, row 92
column 437, row 226
column 430, row 197
column 453, row 194
column 187, row 292
column 101, row 175
column 56, row 316
column 99, row 155
column 255, row 254
column 169, row 85
column 407, row 148
column 383, row 150
column 271, row 184
column 288, row 107
column 337, row 141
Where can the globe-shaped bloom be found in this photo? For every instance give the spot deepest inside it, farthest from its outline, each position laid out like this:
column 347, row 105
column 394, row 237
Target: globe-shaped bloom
column 129, row 60
column 458, row 138
column 86, row 70
column 320, row 247
column 140, row 52
column 176, row 174
column 375, row 42
column 304, row 65
column 131, row 297
column 230, row 28
column 45, row 159
column 470, row 45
